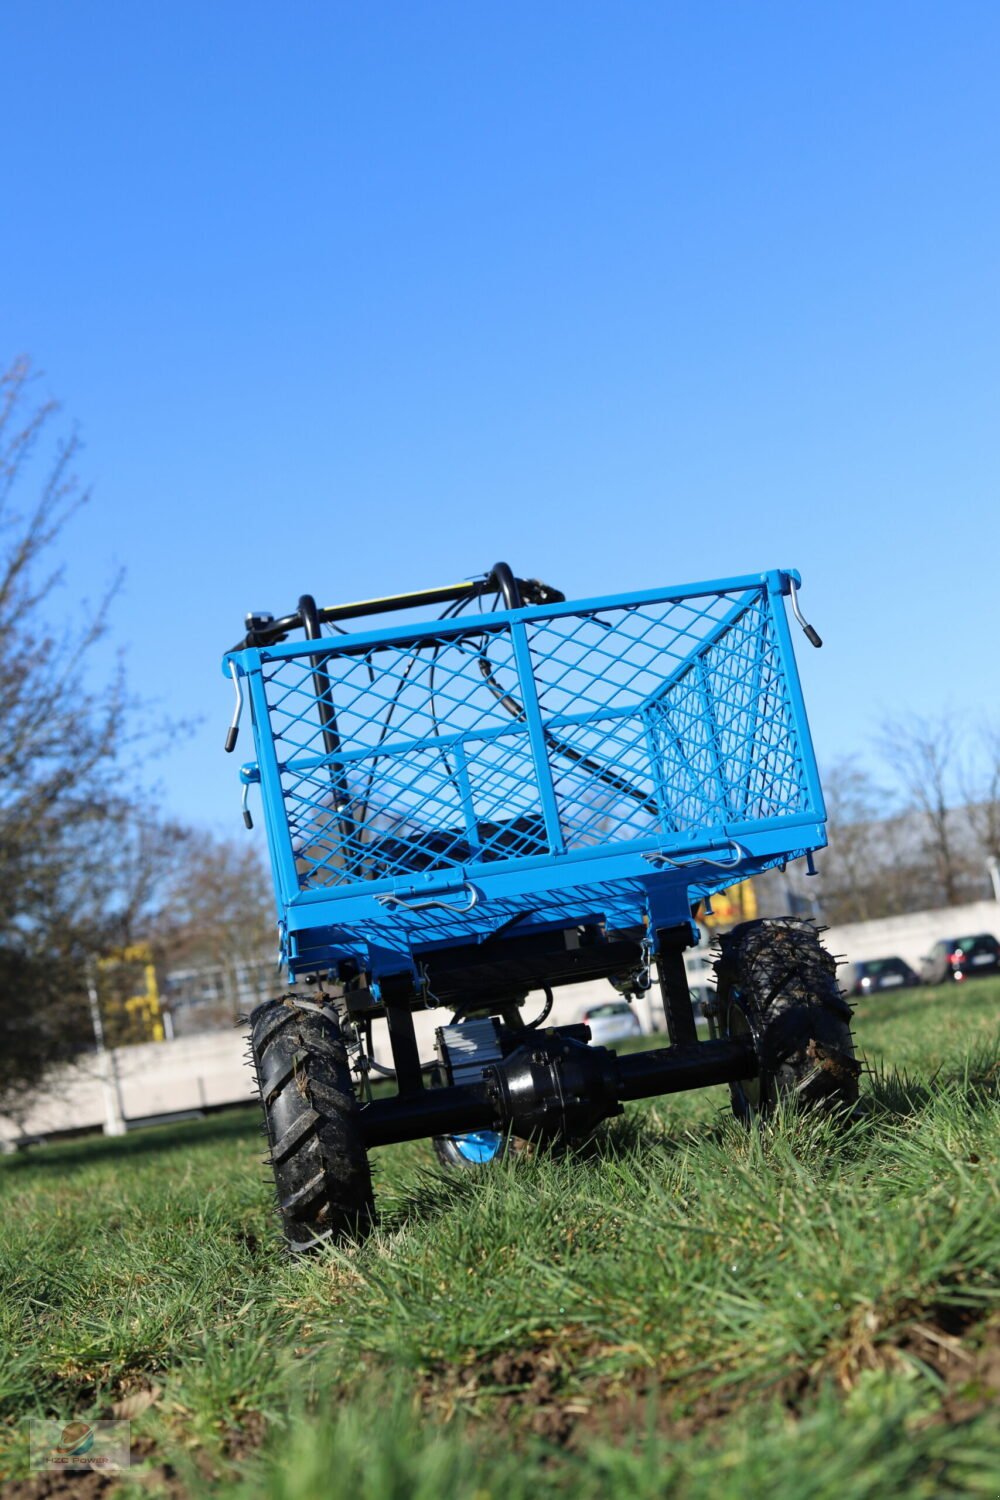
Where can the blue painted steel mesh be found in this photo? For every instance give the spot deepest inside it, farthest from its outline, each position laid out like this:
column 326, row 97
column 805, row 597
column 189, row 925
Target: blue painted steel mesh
column 663, row 718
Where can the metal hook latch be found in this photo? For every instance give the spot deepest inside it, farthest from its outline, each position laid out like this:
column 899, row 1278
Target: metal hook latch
column 424, row 902
column 812, row 635
column 249, row 776
column 738, row 855
column 233, row 731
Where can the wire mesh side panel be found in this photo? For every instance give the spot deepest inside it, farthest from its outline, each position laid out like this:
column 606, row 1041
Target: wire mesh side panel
column 664, row 718
column 427, row 768
column 701, row 735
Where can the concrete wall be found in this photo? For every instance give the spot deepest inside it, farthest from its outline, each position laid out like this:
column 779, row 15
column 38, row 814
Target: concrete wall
column 156, row 1078
column 912, row 936
column 199, row 1072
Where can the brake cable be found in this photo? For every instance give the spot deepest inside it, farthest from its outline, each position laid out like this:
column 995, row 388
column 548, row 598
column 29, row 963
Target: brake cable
column 568, row 752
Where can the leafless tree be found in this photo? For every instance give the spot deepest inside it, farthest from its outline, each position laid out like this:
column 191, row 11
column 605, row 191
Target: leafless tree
column 86, row 870
column 872, row 866
column 850, row 866
column 923, row 751
column 981, row 790
column 60, row 746
column 218, row 910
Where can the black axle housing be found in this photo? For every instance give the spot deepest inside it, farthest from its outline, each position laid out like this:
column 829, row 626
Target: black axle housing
column 555, row 1084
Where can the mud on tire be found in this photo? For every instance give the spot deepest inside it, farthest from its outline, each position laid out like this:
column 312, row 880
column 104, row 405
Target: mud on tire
column 777, row 983
column 318, row 1157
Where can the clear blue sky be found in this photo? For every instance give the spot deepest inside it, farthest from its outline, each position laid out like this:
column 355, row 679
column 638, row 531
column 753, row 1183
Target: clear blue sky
column 352, row 297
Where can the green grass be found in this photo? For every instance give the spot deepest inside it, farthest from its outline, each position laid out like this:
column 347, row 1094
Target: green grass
column 684, row 1308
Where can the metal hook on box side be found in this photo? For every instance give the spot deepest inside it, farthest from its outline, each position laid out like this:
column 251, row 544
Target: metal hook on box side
column 423, row 903
column 249, row 776
column 738, row 855
column 812, row 635
column 232, row 734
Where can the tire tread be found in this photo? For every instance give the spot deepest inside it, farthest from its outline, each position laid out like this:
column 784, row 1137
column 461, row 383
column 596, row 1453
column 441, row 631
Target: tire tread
column 783, row 971
column 321, row 1172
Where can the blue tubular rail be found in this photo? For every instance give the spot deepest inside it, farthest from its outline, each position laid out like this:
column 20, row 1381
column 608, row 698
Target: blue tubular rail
column 609, row 760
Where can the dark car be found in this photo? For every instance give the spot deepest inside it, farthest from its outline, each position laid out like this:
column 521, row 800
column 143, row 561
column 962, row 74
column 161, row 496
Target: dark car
column 875, row 974
column 961, row 958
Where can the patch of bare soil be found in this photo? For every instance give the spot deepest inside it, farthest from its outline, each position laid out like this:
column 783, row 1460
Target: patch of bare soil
column 970, row 1368
column 77, row 1484
column 239, row 1443
column 538, row 1391
column 245, row 1439
column 943, row 1339
column 524, row 1383
column 83, row 1484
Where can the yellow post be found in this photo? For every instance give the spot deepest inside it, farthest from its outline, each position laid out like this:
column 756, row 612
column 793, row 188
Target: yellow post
column 144, row 1008
column 737, row 904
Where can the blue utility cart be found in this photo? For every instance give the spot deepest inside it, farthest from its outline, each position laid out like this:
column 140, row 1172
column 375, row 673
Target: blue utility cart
column 522, row 793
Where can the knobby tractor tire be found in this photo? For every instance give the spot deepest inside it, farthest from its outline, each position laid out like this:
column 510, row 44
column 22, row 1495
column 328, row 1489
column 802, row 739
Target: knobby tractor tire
column 320, row 1165
column 776, row 983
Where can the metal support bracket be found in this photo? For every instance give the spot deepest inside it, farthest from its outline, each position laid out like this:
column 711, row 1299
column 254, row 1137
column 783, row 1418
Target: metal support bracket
column 668, row 946
column 397, row 995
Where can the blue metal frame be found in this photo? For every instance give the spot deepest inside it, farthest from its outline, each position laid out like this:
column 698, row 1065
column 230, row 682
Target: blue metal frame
column 653, row 748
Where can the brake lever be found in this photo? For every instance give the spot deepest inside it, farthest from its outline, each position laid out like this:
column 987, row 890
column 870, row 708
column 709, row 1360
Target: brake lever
column 537, row 592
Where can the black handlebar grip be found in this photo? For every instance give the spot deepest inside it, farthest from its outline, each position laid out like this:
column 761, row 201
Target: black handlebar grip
column 232, row 734
column 813, row 636
column 504, row 581
column 247, row 819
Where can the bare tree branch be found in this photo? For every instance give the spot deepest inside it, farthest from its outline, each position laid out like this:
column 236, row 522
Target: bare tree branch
column 923, row 753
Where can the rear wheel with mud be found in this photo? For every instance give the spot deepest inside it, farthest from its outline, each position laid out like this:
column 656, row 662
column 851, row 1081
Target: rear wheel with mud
column 777, row 984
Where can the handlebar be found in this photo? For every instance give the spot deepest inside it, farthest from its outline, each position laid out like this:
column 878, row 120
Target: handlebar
column 265, row 630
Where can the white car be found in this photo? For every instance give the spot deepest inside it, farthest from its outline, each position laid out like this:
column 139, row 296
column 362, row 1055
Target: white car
column 611, row 1021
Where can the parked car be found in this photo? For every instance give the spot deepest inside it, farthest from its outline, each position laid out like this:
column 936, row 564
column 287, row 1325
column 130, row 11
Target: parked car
column 874, row 974
column 961, row 958
column 611, row 1021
